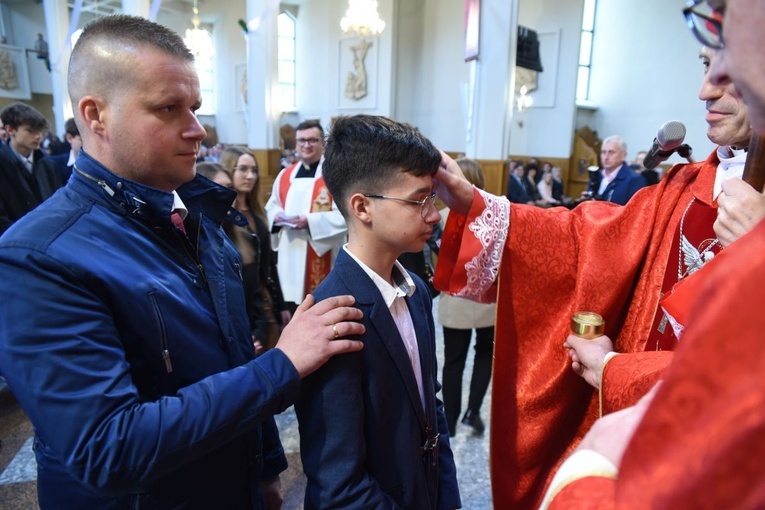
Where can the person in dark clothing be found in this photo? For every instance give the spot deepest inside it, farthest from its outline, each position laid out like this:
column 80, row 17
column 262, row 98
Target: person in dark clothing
column 265, row 302
column 27, row 175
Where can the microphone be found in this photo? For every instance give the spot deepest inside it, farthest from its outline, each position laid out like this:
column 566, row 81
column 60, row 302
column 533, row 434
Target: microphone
column 669, row 138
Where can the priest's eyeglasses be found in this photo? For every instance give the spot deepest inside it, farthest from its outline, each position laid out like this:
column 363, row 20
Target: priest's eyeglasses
column 424, row 203
column 705, row 23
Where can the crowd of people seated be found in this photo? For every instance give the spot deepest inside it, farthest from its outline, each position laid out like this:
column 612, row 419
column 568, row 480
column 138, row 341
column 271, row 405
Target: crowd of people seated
column 535, row 183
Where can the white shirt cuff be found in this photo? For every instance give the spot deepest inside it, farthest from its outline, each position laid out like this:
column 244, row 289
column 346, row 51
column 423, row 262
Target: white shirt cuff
column 580, row 464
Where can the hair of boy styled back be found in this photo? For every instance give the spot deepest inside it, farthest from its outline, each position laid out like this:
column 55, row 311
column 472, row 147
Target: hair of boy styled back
column 18, row 114
column 473, row 171
column 365, row 153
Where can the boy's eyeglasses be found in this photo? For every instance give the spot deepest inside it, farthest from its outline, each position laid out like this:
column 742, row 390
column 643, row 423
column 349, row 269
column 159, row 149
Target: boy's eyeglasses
column 429, row 200
column 705, row 23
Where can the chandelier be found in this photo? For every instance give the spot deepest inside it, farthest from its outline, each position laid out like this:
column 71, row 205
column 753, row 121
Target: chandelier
column 198, row 40
column 362, row 19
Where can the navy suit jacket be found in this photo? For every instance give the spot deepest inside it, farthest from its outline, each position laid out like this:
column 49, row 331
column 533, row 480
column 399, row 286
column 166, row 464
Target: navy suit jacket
column 620, row 190
column 516, row 191
column 61, row 161
column 362, row 423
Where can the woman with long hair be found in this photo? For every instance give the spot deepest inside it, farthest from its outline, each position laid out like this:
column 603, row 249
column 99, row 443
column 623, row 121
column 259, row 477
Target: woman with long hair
column 459, row 317
column 265, row 303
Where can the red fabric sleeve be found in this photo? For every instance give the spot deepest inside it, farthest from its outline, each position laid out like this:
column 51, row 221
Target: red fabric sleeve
column 627, row 377
column 589, row 493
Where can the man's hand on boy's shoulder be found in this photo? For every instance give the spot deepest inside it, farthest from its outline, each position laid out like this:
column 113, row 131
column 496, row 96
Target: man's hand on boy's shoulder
column 319, row 331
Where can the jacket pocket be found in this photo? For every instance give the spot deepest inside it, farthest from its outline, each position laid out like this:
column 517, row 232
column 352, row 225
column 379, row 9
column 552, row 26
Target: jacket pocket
column 161, row 331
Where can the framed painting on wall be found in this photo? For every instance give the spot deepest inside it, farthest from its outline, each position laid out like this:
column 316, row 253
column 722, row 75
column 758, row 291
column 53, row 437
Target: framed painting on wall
column 14, row 73
column 472, row 28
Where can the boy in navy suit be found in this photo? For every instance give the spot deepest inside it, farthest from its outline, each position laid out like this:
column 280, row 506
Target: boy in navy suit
column 373, row 435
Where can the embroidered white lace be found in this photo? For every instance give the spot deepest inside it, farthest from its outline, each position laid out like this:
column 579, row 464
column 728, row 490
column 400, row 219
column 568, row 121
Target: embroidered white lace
column 491, row 229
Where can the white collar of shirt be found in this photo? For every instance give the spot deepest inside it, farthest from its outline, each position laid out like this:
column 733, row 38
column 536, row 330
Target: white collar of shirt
column 72, row 158
column 404, row 283
column 404, row 286
column 731, row 166
column 179, row 206
column 29, row 161
column 607, row 179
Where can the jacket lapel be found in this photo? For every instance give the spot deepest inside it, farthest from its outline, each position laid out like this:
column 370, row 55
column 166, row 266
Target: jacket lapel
column 381, row 325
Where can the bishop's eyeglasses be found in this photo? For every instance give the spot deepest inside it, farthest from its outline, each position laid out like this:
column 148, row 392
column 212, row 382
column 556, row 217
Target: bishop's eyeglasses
column 705, row 23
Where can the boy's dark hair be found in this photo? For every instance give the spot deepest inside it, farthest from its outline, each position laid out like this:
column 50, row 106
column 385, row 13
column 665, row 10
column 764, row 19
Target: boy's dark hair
column 308, row 124
column 70, row 128
column 18, row 114
column 365, row 153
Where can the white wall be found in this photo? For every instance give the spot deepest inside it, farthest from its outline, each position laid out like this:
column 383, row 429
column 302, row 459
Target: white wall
column 318, row 69
column 548, row 130
column 27, row 19
column 646, row 71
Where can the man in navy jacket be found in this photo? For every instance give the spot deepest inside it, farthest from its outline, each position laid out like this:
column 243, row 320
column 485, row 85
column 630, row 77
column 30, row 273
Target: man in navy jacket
column 617, row 182
column 122, row 317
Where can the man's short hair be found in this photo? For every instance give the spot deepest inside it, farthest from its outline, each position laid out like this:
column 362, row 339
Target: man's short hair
column 618, row 140
column 18, row 114
column 70, row 128
column 365, row 153
column 88, row 71
column 310, row 124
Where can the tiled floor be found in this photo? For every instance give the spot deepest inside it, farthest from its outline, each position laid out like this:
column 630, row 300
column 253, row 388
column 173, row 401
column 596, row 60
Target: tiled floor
column 18, row 472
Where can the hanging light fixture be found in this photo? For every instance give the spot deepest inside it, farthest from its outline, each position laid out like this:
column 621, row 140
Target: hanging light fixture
column 198, row 40
column 362, row 19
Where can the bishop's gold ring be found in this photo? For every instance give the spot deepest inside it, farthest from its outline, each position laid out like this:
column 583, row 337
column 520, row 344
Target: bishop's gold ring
column 334, row 328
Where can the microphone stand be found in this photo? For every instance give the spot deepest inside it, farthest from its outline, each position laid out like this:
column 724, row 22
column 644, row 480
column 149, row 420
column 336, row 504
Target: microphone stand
column 685, row 151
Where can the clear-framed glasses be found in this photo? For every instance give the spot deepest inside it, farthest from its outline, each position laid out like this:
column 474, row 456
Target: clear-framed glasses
column 424, row 204
column 247, row 169
column 705, row 23
column 308, row 141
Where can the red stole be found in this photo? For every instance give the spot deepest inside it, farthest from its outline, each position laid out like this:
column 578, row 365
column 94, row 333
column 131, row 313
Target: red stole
column 316, row 267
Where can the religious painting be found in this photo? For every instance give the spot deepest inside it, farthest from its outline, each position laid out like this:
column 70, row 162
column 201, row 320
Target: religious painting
column 14, row 73
column 472, row 28
column 357, row 80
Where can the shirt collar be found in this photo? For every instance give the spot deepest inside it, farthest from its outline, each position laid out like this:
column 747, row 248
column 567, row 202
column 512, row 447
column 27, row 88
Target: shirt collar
column 404, row 285
column 731, row 166
column 29, row 159
column 179, row 206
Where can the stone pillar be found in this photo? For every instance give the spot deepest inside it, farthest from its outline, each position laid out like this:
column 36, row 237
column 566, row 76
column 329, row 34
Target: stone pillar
column 262, row 79
column 59, row 48
column 493, row 81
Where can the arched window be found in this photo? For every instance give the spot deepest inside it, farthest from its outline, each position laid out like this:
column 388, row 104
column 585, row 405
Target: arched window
column 286, row 57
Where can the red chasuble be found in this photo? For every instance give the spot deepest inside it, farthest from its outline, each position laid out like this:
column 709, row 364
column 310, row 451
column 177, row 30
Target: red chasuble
column 598, row 257
column 701, row 442
column 316, row 268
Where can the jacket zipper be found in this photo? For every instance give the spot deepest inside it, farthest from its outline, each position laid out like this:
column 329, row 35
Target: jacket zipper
column 162, row 333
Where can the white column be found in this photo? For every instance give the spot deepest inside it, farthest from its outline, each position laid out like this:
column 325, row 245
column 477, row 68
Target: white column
column 136, row 7
column 262, row 80
column 493, row 84
column 59, row 48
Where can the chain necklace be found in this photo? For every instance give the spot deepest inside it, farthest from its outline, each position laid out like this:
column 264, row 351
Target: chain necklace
column 687, row 249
